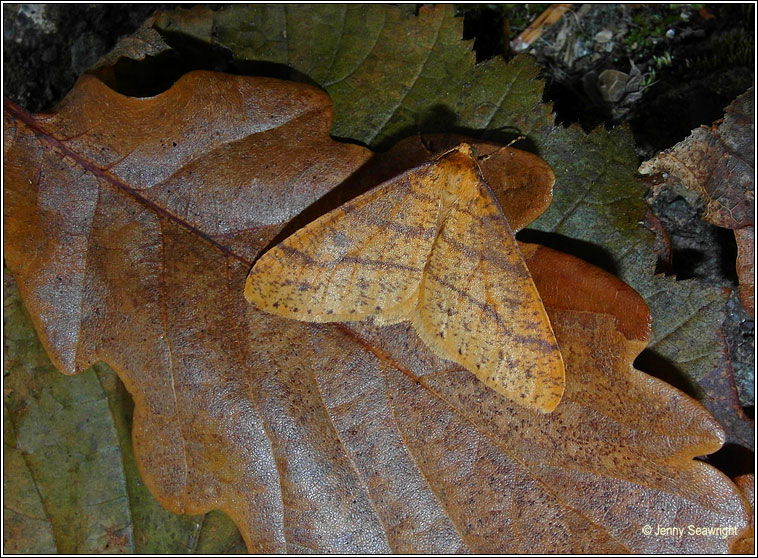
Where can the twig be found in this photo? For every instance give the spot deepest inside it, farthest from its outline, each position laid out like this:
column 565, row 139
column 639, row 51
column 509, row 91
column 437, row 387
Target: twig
column 547, row 18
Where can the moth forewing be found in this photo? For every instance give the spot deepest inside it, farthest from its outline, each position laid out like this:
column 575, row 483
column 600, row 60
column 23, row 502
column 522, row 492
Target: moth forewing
column 363, row 259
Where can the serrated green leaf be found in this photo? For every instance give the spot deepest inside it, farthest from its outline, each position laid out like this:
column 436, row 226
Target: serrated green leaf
column 389, row 75
column 26, row 528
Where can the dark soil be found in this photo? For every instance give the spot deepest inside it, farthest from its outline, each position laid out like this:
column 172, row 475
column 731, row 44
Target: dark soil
column 676, row 67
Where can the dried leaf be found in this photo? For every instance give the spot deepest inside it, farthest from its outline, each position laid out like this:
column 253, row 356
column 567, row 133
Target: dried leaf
column 746, row 544
column 718, row 163
column 25, row 527
column 431, row 247
column 320, row 436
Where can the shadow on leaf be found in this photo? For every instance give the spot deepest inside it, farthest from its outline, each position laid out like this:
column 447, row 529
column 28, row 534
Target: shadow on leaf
column 590, row 253
column 655, row 365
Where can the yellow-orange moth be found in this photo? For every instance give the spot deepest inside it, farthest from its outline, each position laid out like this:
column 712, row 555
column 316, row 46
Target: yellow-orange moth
column 430, row 246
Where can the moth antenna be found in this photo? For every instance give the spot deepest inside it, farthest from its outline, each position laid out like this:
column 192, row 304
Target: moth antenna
column 516, row 139
column 510, row 143
column 423, row 141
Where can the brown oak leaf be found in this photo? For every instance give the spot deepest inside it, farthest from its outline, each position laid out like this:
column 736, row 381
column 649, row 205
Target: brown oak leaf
column 746, row 543
column 130, row 227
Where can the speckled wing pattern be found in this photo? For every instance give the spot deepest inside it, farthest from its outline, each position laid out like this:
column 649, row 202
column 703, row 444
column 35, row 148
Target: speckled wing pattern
column 431, row 246
column 365, row 258
column 478, row 305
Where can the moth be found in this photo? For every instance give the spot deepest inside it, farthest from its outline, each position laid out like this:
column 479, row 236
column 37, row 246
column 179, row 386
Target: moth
column 431, row 247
